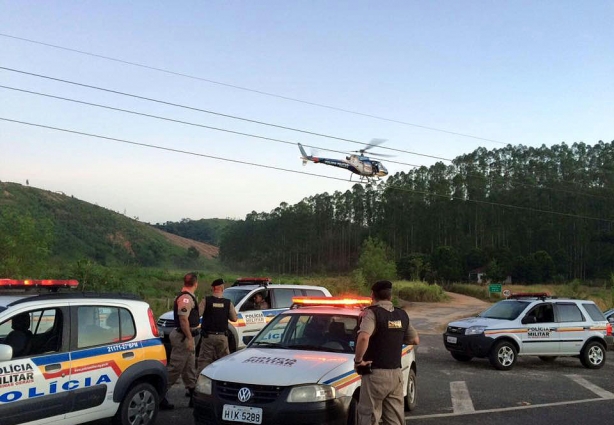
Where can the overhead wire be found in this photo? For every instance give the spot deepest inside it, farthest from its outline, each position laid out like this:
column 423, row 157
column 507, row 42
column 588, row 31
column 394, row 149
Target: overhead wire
column 261, row 92
column 239, row 118
column 387, row 186
column 128, row 111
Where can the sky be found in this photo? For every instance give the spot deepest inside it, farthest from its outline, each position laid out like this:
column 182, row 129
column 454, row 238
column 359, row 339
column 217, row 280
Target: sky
column 438, row 78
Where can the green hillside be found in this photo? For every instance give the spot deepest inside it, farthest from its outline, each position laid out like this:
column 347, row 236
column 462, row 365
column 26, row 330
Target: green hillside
column 207, row 230
column 39, row 228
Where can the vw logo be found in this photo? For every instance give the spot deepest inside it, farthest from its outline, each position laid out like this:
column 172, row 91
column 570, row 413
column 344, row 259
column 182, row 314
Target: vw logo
column 244, row 394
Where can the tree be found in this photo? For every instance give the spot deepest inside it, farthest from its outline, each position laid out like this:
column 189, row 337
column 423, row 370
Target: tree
column 374, row 262
column 446, row 264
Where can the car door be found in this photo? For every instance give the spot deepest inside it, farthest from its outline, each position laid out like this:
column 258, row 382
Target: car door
column 571, row 327
column 103, row 345
column 35, row 383
column 541, row 336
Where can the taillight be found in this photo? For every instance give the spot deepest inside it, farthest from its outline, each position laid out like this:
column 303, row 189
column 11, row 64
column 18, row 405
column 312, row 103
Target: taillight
column 152, row 323
column 608, row 329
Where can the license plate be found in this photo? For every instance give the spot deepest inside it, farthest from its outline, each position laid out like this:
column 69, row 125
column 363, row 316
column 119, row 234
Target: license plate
column 245, row 414
column 451, row 339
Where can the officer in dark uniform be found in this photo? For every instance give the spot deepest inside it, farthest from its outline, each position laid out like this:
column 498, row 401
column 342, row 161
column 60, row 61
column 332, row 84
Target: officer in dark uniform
column 217, row 311
column 383, row 331
column 184, row 339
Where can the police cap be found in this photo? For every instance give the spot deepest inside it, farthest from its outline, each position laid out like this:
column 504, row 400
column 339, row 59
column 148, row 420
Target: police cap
column 380, row 285
column 217, row 282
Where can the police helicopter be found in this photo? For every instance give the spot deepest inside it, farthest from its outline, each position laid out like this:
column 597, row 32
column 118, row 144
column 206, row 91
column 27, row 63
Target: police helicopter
column 357, row 162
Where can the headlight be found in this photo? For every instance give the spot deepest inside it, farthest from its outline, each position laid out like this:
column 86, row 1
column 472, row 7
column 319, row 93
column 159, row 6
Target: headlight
column 311, row 393
column 475, row 330
column 203, row 385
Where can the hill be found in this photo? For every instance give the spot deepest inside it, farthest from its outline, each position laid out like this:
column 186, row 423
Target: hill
column 39, row 226
column 207, row 230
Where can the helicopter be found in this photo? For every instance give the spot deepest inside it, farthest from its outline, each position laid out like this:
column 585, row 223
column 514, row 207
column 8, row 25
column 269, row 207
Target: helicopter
column 357, row 162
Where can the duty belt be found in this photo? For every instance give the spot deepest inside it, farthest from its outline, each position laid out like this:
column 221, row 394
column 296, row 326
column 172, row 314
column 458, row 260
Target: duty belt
column 214, row 333
column 194, row 331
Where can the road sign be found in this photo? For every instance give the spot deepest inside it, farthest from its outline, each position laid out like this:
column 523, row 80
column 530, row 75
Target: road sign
column 507, row 293
column 494, row 288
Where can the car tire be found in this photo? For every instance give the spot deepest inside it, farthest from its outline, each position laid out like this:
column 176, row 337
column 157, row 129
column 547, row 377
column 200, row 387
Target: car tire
column 410, row 398
column 461, row 357
column 139, row 406
column 593, row 355
column 547, row 359
column 353, row 411
column 503, row 355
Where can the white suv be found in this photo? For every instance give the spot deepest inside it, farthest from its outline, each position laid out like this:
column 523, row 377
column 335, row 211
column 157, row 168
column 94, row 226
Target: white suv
column 532, row 325
column 251, row 321
column 69, row 358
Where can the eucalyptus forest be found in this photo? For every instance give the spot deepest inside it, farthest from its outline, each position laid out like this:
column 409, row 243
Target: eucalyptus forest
column 532, row 214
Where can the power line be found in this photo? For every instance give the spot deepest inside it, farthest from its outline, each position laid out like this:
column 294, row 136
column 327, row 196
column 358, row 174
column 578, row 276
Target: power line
column 257, row 136
column 320, row 105
column 206, row 111
column 448, row 197
column 128, row 111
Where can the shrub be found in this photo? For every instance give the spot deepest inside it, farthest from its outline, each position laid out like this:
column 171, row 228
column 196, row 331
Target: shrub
column 420, row 292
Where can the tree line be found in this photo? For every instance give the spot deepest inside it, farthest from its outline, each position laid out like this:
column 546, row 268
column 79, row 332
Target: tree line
column 536, row 214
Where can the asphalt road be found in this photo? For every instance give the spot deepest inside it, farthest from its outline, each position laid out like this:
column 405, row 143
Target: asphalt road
column 450, row 392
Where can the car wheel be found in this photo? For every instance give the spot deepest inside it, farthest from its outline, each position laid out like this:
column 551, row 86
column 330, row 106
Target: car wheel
column 593, row 355
column 410, row 398
column 461, row 357
column 139, row 407
column 547, row 359
column 503, row 355
column 353, row 411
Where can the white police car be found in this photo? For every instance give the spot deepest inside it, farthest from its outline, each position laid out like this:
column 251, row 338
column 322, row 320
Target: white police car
column 250, row 321
column 69, row 358
column 532, row 325
column 298, row 370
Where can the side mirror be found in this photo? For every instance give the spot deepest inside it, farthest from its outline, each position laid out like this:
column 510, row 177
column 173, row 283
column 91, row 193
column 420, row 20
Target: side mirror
column 247, row 339
column 529, row 319
column 6, row 352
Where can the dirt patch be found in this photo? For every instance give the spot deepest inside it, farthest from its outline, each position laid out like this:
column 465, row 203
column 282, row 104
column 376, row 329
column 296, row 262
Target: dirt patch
column 432, row 318
column 204, row 249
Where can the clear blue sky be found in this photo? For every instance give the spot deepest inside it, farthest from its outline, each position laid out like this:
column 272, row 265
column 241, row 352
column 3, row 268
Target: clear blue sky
column 521, row 72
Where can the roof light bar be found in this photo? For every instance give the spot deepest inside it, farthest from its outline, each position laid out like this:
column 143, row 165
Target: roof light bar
column 34, row 283
column 332, row 301
column 530, row 295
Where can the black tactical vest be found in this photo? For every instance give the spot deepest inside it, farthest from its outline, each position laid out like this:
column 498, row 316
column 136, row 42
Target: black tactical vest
column 193, row 317
column 386, row 342
column 215, row 317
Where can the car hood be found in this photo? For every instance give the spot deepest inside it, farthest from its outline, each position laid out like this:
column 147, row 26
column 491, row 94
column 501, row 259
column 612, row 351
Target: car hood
column 480, row 321
column 269, row 366
column 169, row 315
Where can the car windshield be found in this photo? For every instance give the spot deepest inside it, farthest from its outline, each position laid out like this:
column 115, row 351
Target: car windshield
column 506, row 310
column 309, row 331
column 235, row 294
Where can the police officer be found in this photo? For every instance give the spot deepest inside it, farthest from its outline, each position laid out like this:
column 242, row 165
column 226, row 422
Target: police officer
column 217, row 311
column 383, row 331
column 184, row 339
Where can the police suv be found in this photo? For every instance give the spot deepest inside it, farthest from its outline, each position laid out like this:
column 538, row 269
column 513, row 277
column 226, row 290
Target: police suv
column 532, row 325
column 68, row 358
column 298, row 370
column 250, row 321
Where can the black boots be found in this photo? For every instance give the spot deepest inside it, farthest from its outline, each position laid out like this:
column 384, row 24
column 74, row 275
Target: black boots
column 191, row 391
column 165, row 405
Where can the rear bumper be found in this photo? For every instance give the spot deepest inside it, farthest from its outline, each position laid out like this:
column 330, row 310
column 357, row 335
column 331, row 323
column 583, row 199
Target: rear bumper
column 609, row 340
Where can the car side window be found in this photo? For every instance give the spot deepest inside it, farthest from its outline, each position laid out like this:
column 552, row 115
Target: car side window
column 569, row 313
column 99, row 325
column 33, row 333
column 543, row 313
column 282, row 297
column 313, row 292
column 594, row 312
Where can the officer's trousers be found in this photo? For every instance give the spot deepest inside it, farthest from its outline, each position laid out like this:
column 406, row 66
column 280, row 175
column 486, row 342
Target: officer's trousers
column 381, row 396
column 182, row 362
